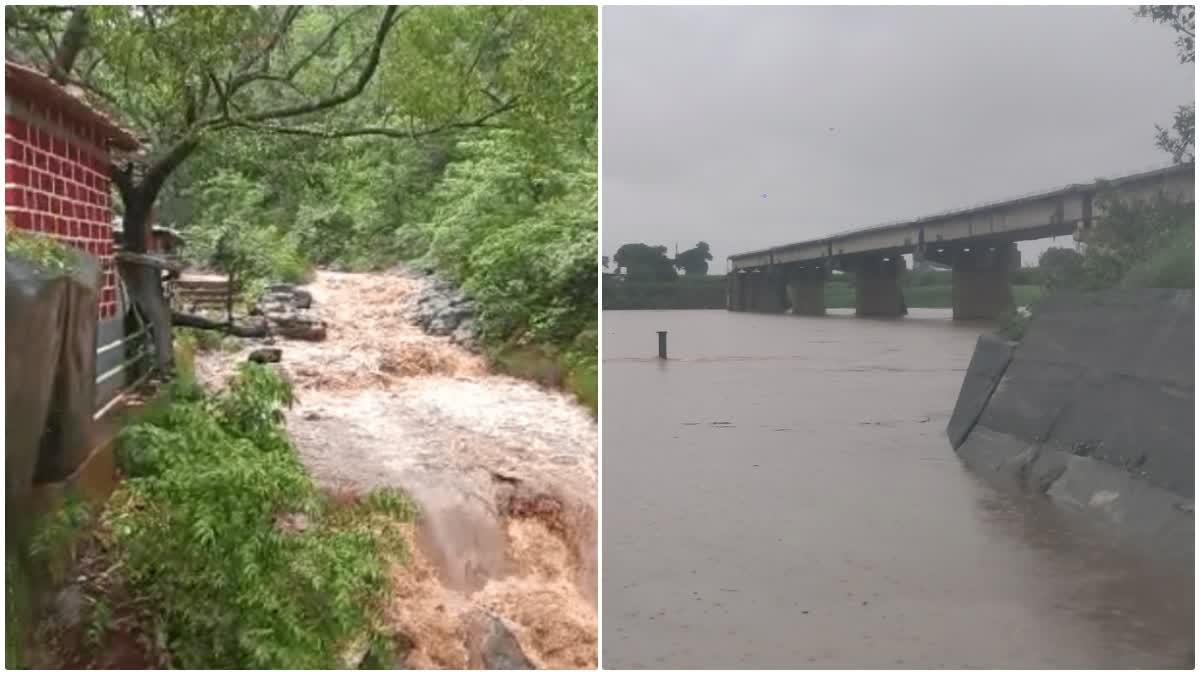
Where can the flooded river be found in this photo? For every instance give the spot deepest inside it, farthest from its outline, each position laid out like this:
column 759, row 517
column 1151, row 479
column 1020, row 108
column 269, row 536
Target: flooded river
column 781, row 493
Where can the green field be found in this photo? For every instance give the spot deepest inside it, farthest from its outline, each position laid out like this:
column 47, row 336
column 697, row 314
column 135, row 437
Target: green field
column 927, row 290
column 841, row 295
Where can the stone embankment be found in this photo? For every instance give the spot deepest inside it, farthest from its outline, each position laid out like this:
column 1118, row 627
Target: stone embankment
column 1094, row 407
column 439, row 308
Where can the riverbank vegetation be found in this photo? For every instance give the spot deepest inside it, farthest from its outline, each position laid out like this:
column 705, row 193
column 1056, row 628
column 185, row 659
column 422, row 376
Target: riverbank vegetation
column 921, row 289
column 685, row 292
column 217, row 550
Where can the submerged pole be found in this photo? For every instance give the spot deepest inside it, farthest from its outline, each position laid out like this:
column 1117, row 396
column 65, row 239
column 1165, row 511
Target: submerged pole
column 662, row 344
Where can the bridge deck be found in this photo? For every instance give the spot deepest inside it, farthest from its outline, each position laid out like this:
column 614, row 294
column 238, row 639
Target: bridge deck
column 1033, row 216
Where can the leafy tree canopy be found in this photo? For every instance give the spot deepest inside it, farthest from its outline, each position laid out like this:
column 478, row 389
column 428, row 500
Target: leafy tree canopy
column 1180, row 139
column 645, row 263
column 694, row 261
column 354, row 137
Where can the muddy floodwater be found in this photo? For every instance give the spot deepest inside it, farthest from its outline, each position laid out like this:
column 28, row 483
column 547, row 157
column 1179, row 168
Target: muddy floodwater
column 503, row 471
column 781, row 493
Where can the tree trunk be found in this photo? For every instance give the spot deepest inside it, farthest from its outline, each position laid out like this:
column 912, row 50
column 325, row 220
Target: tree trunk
column 144, row 282
column 238, row 330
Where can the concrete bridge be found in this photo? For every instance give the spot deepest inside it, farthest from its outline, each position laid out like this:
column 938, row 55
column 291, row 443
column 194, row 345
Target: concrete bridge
column 979, row 244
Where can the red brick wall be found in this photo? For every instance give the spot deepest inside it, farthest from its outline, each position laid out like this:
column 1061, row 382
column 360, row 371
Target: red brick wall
column 56, row 182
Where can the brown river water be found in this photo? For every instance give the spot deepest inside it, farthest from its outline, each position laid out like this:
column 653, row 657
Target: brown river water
column 503, row 470
column 780, row 493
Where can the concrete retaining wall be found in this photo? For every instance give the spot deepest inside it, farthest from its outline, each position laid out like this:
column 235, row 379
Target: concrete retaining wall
column 1095, row 407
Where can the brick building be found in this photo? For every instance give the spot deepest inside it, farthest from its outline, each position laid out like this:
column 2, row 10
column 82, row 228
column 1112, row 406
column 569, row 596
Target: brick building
column 56, row 182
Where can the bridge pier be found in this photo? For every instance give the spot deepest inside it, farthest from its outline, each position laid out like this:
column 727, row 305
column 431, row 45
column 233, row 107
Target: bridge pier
column 736, row 301
column 771, row 291
column 759, row 290
column 877, row 289
column 981, row 276
column 806, row 290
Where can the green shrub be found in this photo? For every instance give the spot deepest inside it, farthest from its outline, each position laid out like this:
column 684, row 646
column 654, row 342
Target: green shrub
column 198, row 534
column 56, row 533
column 43, row 251
column 18, row 607
column 1171, row 266
column 1130, row 241
column 927, row 278
column 237, row 232
column 1012, row 324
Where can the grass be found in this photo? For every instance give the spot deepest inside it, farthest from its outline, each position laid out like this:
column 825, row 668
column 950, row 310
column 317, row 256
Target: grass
column 574, row 371
column 841, row 295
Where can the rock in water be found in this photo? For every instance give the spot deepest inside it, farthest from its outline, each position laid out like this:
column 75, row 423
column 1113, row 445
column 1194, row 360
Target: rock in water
column 302, row 298
column 441, row 309
column 297, row 324
column 500, row 649
column 288, row 311
column 266, row 355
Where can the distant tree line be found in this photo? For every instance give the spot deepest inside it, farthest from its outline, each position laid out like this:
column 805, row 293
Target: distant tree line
column 643, row 262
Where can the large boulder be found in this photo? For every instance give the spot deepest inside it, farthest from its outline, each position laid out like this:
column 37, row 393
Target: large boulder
column 266, row 355
column 441, row 309
column 288, row 312
column 297, row 324
column 492, row 646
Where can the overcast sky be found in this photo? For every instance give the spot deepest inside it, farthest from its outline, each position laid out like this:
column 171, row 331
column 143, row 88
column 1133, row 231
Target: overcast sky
column 845, row 117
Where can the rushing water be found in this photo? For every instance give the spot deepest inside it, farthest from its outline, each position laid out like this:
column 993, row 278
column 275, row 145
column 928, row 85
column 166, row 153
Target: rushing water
column 504, row 472
column 780, row 493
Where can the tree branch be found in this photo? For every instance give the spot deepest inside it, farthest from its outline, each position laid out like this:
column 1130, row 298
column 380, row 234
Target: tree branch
column 245, row 76
column 238, row 330
column 385, row 26
column 160, row 169
column 475, row 123
column 72, row 42
column 333, row 31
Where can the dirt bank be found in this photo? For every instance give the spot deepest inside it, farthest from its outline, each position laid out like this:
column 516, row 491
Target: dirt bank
column 504, row 471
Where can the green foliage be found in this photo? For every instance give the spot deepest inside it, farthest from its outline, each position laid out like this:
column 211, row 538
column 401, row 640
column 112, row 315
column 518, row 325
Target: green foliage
column 694, row 261
column 695, row 292
column 98, row 623
column 1129, row 233
column 1171, row 266
column 838, row 294
column 1027, row 276
column 1013, row 323
column 55, row 535
column 1062, row 269
column 645, row 263
column 507, row 210
column 1182, row 19
column 520, row 236
column 480, row 153
column 197, row 530
column 18, row 607
column 44, row 252
column 927, row 278
column 240, row 236
column 1180, row 139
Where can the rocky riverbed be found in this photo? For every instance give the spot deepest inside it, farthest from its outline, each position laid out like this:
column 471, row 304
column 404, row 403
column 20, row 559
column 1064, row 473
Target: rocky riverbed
column 440, row 308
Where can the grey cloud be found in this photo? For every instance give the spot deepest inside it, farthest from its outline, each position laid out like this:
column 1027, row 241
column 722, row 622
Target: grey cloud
column 705, row 109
